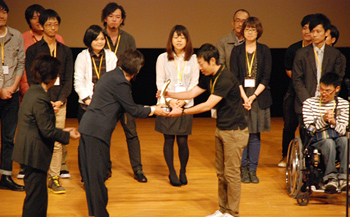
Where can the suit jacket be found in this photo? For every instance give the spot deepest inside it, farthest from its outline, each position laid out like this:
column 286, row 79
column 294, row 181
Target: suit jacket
column 225, row 46
column 304, row 72
column 112, row 98
column 239, row 69
column 36, row 132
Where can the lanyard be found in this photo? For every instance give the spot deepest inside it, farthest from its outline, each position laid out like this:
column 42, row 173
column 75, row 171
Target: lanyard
column 178, row 72
column 212, row 86
column 54, row 51
column 318, row 61
column 98, row 72
column 2, row 51
column 34, row 39
column 250, row 64
column 116, row 48
column 320, row 107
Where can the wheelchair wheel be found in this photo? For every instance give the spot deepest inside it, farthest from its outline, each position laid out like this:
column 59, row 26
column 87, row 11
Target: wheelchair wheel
column 294, row 176
column 303, row 199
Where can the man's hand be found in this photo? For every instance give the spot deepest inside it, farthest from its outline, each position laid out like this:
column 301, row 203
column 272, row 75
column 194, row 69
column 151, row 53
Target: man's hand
column 6, row 93
column 73, row 132
column 180, row 103
column 87, row 102
column 159, row 111
column 56, row 105
column 329, row 116
column 177, row 111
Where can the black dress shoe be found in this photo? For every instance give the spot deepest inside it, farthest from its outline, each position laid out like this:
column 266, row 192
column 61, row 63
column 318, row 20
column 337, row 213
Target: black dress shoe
column 183, row 178
column 140, row 176
column 7, row 183
column 174, row 181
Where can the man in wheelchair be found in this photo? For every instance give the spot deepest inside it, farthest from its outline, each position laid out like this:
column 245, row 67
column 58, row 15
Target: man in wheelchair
column 330, row 115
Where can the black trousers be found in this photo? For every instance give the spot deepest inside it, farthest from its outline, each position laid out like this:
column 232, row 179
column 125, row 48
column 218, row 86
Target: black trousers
column 290, row 122
column 94, row 161
column 35, row 202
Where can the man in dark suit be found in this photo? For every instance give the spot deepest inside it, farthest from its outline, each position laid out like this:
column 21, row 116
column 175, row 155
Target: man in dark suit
column 313, row 61
column 36, row 135
column 112, row 98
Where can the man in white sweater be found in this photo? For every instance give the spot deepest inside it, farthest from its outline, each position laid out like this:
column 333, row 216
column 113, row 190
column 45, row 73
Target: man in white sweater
column 330, row 114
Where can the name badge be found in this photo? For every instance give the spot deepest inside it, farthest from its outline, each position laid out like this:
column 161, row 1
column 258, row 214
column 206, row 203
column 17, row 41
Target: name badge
column 57, row 83
column 213, row 113
column 180, row 88
column 5, row 69
column 249, row 82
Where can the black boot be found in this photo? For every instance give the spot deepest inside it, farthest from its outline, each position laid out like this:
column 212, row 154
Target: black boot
column 253, row 177
column 245, row 176
column 6, row 182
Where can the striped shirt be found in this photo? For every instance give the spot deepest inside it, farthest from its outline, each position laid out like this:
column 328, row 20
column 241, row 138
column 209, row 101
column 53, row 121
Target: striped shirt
column 313, row 111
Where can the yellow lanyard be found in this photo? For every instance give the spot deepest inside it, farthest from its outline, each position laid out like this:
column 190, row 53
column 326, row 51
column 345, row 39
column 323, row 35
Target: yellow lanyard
column 212, row 86
column 250, row 64
column 2, row 51
column 98, row 72
column 54, row 51
column 318, row 61
column 182, row 71
column 320, row 107
column 109, row 46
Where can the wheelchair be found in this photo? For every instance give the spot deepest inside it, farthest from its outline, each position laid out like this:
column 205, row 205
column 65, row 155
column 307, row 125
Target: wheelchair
column 305, row 169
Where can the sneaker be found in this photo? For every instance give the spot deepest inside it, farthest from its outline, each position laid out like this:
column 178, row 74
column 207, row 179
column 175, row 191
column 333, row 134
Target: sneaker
column 245, row 175
column 64, row 174
column 20, row 175
column 217, row 213
column 55, row 186
column 331, row 185
column 227, row 215
column 342, row 184
column 283, row 162
column 253, row 177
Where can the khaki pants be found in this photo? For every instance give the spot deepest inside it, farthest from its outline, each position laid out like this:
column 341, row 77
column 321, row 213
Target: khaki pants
column 55, row 166
column 229, row 145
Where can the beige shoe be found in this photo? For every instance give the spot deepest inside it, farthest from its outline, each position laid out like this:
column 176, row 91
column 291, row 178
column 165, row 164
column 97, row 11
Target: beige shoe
column 283, row 162
column 55, row 186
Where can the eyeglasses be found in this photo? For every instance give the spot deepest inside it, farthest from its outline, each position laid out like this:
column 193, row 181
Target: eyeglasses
column 253, row 30
column 237, row 20
column 49, row 25
column 329, row 92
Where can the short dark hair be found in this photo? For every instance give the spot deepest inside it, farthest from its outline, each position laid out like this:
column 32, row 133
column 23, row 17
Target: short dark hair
column 91, row 34
column 131, row 61
column 29, row 13
column 253, row 22
column 331, row 78
column 180, row 30
column 306, row 20
column 208, row 51
column 49, row 14
column 240, row 10
column 334, row 34
column 45, row 68
column 3, row 6
column 319, row 19
column 110, row 8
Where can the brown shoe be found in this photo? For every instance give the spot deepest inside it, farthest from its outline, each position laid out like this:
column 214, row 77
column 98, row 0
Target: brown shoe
column 55, row 186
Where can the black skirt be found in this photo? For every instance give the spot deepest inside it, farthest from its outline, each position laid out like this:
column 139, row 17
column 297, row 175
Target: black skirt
column 181, row 125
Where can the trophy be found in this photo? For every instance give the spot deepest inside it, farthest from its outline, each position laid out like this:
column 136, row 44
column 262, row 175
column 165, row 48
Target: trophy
column 161, row 101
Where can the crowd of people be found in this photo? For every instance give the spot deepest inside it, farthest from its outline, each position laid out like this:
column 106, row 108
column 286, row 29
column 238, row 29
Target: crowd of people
column 38, row 73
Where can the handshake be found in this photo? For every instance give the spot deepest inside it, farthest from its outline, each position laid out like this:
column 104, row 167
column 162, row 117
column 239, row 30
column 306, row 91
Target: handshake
column 73, row 132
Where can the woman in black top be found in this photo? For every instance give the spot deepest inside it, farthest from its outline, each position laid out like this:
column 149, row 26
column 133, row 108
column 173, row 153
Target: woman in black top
column 251, row 63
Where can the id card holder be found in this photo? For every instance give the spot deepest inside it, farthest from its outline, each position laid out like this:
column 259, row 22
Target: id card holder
column 180, row 88
column 249, row 82
column 213, row 113
column 57, row 83
column 5, row 70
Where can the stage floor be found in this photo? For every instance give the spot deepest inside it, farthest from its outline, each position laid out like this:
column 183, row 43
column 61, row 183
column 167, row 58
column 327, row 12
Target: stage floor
column 157, row 198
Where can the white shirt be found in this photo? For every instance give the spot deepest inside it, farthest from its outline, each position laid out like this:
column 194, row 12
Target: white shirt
column 319, row 53
column 166, row 69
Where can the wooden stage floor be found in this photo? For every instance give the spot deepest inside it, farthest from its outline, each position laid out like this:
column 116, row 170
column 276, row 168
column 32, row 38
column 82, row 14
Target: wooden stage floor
column 157, row 198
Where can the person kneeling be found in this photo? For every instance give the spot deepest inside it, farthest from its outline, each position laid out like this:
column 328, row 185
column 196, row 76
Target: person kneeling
column 330, row 115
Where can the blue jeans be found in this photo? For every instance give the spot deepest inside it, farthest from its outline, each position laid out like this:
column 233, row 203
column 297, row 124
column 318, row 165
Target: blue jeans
column 9, row 117
column 251, row 152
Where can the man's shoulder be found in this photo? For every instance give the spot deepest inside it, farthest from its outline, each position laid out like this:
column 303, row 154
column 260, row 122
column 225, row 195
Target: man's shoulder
column 342, row 101
column 14, row 31
column 125, row 34
column 227, row 38
column 295, row 46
